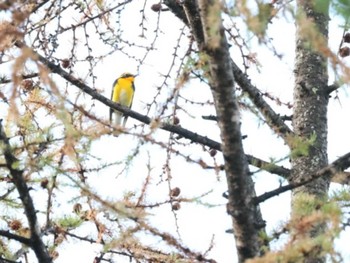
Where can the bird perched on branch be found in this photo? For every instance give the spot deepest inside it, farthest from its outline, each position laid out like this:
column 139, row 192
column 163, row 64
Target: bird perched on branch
column 122, row 93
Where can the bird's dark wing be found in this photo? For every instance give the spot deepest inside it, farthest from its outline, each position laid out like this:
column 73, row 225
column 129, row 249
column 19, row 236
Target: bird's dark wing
column 111, row 110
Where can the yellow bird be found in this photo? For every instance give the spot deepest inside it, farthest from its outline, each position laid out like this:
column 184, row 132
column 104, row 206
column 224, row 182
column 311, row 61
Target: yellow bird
column 122, row 93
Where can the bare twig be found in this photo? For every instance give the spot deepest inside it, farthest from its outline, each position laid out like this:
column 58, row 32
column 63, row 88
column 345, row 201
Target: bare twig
column 23, row 76
column 334, row 168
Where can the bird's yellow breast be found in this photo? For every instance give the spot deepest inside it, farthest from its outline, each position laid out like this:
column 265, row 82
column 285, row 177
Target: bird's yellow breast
column 124, row 91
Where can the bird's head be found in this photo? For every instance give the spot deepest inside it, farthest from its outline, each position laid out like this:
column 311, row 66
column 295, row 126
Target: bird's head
column 128, row 76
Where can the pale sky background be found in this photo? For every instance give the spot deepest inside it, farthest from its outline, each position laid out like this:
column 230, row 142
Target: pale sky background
column 197, row 223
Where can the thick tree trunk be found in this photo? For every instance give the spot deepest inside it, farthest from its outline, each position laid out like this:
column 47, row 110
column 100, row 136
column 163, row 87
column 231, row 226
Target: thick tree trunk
column 310, row 106
column 204, row 19
column 246, row 216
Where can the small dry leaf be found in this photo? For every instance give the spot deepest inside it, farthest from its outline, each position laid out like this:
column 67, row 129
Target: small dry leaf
column 176, row 120
column 24, row 232
column 65, row 63
column 8, row 34
column 175, row 192
column 156, row 7
column 154, row 124
column 176, row 206
column 44, row 182
column 77, row 208
column 203, row 164
column 89, row 215
column 59, row 239
column 347, row 38
column 344, row 52
column 54, row 254
column 27, row 85
column 15, row 225
column 213, row 152
column 59, row 230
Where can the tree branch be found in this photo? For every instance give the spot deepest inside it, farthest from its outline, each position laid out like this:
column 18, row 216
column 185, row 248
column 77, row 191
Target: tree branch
column 273, row 119
column 177, row 10
column 9, row 235
column 99, row 15
column 191, row 10
column 17, row 175
column 185, row 133
column 23, row 76
column 338, row 166
column 268, row 166
column 331, row 88
column 133, row 114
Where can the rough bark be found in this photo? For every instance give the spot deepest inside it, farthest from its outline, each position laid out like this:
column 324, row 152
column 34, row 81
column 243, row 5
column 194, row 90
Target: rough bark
column 310, row 105
column 246, row 216
column 310, row 102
